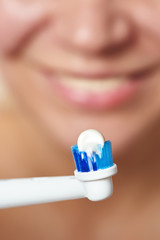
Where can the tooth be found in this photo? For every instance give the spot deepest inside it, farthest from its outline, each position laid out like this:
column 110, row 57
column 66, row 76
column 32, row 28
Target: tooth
column 95, row 86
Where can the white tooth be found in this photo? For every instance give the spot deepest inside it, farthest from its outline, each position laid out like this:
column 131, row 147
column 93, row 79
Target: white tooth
column 95, row 86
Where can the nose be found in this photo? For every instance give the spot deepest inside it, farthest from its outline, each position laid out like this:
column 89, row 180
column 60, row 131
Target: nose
column 92, row 26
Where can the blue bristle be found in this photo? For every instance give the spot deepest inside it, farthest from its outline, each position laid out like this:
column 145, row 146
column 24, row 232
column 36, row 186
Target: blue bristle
column 94, row 162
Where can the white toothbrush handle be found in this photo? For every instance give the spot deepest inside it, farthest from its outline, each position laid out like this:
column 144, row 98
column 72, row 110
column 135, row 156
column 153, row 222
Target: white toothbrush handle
column 95, row 185
column 21, row 192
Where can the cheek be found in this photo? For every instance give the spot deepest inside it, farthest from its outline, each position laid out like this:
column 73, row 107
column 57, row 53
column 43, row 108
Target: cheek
column 151, row 18
column 147, row 16
column 18, row 21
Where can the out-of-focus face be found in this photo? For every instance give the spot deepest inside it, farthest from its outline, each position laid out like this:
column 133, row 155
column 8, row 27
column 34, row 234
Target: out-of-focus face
column 81, row 64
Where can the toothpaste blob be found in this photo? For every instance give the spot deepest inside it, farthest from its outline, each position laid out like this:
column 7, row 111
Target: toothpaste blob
column 92, row 152
column 91, row 141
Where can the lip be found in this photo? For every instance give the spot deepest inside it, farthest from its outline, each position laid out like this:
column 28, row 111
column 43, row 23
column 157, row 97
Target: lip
column 96, row 101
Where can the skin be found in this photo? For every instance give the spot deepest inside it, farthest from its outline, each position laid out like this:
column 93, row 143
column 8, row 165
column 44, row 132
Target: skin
column 66, row 36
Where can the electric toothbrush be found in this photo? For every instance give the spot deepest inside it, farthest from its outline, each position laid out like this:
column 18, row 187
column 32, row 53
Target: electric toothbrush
column 92, row 178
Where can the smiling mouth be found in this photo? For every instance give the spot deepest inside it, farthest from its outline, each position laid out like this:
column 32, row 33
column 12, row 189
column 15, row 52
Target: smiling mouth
column 96, row 92
column 96, row 86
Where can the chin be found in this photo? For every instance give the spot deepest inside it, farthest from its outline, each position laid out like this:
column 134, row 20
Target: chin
column 122, row 132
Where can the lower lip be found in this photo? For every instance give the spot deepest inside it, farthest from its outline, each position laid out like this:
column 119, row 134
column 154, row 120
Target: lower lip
column 96, row 101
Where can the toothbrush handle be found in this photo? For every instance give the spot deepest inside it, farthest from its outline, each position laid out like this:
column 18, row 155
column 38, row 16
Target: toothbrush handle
column 27, row 191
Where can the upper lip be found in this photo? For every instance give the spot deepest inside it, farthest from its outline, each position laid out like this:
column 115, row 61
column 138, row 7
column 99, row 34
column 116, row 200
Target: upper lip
column 99, row 73
column 104, row 74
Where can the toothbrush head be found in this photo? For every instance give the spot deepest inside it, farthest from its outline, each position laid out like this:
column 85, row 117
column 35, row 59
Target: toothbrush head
column 94, row 163
column 92, row 153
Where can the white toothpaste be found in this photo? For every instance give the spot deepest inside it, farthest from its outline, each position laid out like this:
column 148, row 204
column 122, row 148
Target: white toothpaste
column 91, row 141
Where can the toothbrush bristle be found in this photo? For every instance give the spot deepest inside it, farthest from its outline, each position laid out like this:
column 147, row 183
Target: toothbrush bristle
column 94, row 162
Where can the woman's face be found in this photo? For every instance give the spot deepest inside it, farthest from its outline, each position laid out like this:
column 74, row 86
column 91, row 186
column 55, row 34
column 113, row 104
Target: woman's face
column 80, row 64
